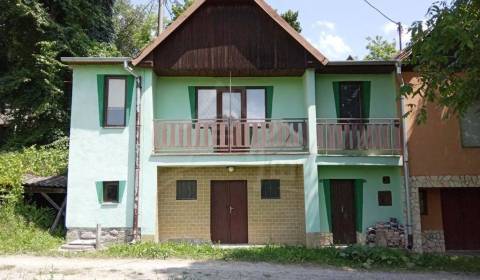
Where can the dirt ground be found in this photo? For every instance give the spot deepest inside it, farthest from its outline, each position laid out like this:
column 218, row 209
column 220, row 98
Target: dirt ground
column 49, row 268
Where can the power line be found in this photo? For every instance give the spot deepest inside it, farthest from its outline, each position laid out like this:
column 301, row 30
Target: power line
column 398, row 23
column 380, row 12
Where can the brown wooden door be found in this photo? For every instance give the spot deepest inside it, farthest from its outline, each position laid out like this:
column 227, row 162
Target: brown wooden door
column 461, row 218
column 343, row 212
column 229, row 224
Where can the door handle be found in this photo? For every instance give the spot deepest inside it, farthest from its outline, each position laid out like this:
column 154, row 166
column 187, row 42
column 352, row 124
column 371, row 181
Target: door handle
column 342, row 209
column 231, row 209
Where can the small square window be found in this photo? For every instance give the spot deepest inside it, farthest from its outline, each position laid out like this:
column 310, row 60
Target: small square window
column 423, row 197
column 270, row 189
column 110, row 192
column 385, row 198
column 386, row 180
column 186, row 190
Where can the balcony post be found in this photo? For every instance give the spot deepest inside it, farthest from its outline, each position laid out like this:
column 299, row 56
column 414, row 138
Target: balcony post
column 310, row 105
column 310, row 169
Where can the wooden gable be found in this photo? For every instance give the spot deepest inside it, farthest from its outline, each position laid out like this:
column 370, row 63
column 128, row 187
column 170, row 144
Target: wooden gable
column 236, row 37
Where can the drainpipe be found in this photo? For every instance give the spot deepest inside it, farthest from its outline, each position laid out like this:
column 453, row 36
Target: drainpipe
column 136, row 189
column 406, row 170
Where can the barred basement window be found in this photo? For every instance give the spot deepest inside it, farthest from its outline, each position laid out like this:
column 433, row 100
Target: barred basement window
column 385, row 198
column 270, row 189
column 110, row 192
column 186, row 190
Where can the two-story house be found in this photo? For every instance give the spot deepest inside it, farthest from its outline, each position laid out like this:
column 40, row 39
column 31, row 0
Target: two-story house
column 444, row 165
column 246, row 134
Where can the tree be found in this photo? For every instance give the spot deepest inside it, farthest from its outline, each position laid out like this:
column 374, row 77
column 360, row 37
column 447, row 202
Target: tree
column 380, row 49
column 134, row 26
column 292, row 18
column 33, row 36
column 179, row 7
column 445, row 53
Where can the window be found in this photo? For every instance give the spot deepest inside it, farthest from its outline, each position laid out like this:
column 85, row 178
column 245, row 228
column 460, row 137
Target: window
column 270, row 189
column 470, row 127
column 207, row 104
column 386, row 180
column 236, row 103
column 422, row 199
column 186, row 190
column 350, row 100
column 256, row 105
column 232, row 105
column 110, row 192
column 385, row 198
column 115, row 101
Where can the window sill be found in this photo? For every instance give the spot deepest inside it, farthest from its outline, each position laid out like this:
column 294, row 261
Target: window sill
column 109, row 204
column 113, row 127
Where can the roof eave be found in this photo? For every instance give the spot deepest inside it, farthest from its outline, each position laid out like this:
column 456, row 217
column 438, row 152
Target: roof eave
column 94, row 60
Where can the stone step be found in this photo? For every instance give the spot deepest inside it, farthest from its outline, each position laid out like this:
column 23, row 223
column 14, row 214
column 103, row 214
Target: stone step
column 77, row 248
column 83, row 242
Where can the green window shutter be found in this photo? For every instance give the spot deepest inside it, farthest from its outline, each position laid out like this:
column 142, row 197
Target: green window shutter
column 269, row 101
column 193, row 101
column 336, row 96
column 121, row 189
column 359, row 204
column 130, row 89
column 101, row 97
column 99, row 187
column 328, row 202
column 366, row 88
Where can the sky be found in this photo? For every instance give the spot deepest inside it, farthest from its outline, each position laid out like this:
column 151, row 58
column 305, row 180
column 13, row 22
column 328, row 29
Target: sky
column 339, row 28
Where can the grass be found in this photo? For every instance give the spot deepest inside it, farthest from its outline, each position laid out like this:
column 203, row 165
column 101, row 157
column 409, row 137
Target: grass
column 19, row 235
column 353, row 257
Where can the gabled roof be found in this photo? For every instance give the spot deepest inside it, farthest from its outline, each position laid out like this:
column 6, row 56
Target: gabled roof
column 261, row 3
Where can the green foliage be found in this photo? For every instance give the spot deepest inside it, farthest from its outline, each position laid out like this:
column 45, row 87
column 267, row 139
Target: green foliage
column 354, row 256
column 46, row 160
column 445, row 53
column 380, row 49
column 34, row 35
column 292, row 18
column 179, row 7
column 134, row 26
column 25, row 231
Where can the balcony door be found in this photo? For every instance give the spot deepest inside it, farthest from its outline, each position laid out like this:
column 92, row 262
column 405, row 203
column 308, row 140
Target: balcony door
column 351, row 114
column 235, row 112
column 351, row 100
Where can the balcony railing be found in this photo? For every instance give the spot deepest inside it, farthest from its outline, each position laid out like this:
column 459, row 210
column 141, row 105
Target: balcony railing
column 230, row 136
column 359, row 136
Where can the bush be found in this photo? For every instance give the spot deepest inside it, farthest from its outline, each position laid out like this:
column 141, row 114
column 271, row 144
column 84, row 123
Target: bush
column 46, row 160
column 24, row 228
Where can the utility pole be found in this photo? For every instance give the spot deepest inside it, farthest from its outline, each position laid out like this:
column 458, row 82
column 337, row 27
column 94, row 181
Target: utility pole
column 400, row 29
column 160, row 16
column 399, row 24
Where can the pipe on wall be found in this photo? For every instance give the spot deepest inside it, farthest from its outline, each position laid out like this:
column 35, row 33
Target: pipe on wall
column 406, row 169
column 136, row 189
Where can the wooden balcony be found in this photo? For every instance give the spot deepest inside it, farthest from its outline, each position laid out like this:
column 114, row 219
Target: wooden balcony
column 359, row 136
column 266, row 136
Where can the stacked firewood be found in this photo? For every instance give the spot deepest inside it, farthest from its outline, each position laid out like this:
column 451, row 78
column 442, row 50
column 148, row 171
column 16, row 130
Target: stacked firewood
column 386, row 234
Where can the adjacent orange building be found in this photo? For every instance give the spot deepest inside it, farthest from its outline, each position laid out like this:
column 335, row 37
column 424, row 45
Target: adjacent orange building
column 444, row 165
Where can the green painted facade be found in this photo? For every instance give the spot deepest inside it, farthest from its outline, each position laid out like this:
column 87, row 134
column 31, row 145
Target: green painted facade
column 172, row 99
column 99, row 154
